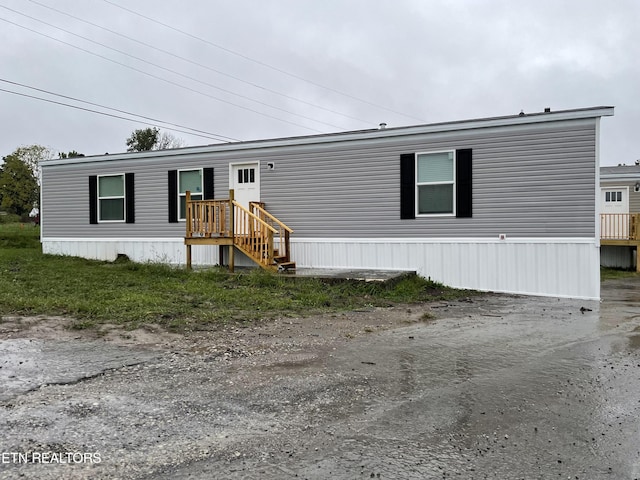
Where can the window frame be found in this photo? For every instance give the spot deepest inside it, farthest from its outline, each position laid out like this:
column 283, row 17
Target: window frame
column 113, row 197
column 201, row 170
column 249, row 178
column 609, row 198
column 452, row 182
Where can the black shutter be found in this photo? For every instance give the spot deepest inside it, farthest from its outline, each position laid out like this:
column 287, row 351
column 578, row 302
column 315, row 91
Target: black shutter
column 207, row 180
column 93, row 199
column 464, row 190
column 407, row 186
column 129, row 195
column 173, row 196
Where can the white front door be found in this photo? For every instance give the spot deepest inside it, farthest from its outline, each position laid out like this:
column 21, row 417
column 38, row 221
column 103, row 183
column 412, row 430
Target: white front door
column 615, row 199
column 615, row 202
column 245, row 181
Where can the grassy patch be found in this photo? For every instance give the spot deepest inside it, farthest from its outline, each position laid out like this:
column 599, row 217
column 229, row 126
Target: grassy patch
column 133, row 294
column 427, row 316
column 9, row 218
column 19, row 235
column 612, row 273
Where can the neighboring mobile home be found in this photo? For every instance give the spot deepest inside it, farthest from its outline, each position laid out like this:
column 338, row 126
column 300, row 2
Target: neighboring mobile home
column 620, row 215
column 506, row 204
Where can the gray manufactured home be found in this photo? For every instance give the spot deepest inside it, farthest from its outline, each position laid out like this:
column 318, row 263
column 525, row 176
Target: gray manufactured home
column 620, row 216
column 506, row 204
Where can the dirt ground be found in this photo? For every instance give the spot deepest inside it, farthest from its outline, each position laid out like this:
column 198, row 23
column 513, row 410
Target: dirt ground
column 494, row 386
column 254, row 338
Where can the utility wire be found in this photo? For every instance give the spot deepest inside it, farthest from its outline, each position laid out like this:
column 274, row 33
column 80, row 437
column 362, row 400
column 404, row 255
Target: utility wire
column 121, row 52
column 255, row 85
column 157, row 77
column 264, row 64
column 104, row 113
column 207, row 134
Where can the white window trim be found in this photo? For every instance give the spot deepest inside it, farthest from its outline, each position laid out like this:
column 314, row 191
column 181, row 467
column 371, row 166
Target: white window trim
column 184, row 194
column 453, row 182
column 123, row 197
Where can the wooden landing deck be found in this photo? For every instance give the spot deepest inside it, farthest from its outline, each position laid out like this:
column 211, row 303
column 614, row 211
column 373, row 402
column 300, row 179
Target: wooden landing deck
column 619, row 242
column 208, row 241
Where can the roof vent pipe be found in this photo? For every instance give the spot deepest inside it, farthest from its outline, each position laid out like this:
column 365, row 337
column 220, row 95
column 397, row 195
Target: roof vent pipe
column 547, row 110
column 382, row 126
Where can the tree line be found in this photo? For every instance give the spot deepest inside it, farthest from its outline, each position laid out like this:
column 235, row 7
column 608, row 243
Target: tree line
column 19, row 174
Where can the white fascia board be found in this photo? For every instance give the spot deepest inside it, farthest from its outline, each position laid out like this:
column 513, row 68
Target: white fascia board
column 512, row 120
column 396, row 240
column 115, row 239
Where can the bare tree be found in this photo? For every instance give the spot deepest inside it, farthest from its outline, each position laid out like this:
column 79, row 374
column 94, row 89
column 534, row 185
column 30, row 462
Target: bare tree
column 168, row 140
column 32, row 155
column 146, row 139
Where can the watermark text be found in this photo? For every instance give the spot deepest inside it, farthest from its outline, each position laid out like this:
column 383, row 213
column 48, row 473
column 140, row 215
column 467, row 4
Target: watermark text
column 50, row 457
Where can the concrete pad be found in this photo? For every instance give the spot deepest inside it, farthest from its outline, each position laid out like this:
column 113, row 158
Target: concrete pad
column 350, row 274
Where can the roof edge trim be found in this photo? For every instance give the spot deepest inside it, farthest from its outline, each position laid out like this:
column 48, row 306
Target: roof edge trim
column 538, row 117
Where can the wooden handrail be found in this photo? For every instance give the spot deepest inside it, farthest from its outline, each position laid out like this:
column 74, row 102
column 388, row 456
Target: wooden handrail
column 258, row 207
column 254, row 216
column 284, row 232
column 207, row 218
column 253, row 236
column 619, row 226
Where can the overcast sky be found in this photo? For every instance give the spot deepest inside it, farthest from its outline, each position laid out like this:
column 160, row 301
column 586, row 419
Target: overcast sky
column 253, row 69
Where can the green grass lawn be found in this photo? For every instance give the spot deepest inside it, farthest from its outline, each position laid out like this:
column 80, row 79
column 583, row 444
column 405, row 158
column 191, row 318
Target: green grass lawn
column 131, row 294
column 611, row 273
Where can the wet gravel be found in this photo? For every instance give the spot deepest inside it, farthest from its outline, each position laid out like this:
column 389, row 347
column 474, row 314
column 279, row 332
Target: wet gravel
column 494, row 387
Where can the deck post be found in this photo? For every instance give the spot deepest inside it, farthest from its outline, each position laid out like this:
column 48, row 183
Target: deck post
column 286, row 245
column 188, row 232
column 232, row 230
column 634, row 221
column 188, row 214
column 269, row 259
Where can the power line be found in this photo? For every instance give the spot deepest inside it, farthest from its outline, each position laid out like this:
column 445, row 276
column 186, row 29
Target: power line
column 176, row 72
column 264, row 64
column 104, row 113
column 256, row 85
column 196, row 131
column 157, row 77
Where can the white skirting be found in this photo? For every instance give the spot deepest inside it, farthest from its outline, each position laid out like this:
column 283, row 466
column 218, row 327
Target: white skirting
column 532, row 266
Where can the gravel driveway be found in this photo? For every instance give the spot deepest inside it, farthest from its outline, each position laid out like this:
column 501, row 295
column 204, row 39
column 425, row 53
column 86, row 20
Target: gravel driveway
column 494, row 386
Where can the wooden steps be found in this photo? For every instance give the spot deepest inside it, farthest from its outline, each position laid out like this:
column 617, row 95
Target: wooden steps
column 284, row 264
column 253, row 231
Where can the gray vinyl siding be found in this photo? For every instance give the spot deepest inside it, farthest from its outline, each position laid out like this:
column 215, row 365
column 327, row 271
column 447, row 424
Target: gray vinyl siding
column 634, row 200
column 65, row 198
column 535, row 182
column 528, row 181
